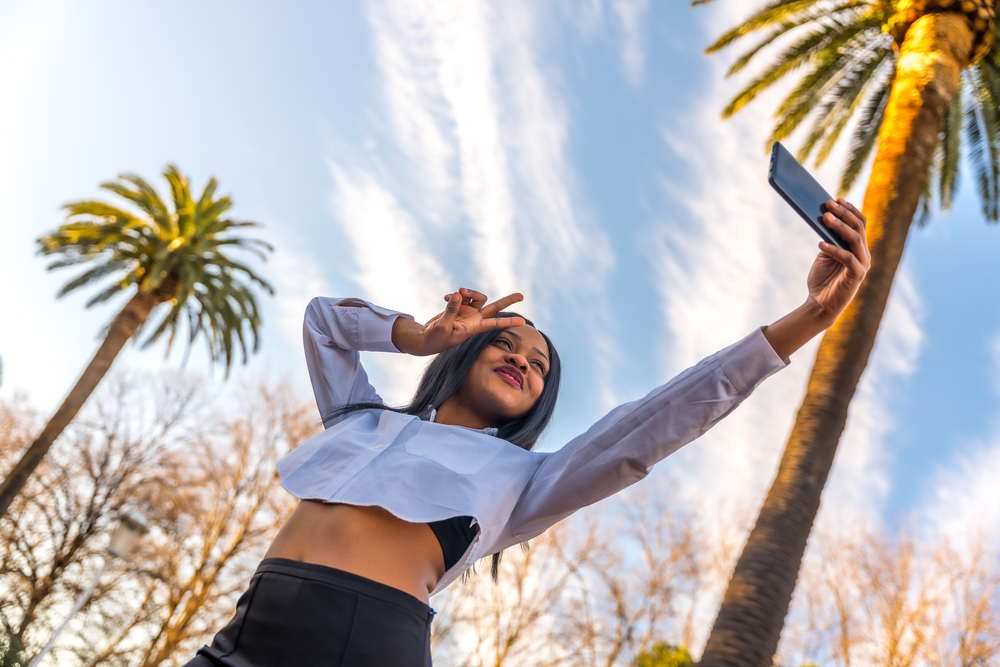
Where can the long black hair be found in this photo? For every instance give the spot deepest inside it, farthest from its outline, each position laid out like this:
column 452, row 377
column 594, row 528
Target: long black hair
column 444, row 375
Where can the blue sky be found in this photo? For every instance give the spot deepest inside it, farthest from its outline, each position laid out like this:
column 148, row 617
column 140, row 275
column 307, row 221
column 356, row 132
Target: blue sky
column 571, row 150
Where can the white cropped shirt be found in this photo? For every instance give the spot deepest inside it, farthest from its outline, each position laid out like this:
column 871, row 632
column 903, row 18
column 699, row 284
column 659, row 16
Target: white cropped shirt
column 422, row 471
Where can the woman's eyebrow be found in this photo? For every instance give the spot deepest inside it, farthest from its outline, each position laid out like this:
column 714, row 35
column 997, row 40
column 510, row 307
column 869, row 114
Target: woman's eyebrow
column 517, row 336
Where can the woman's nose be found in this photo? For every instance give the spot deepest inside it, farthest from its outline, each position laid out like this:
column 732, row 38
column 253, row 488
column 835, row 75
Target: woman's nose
column 517, row 361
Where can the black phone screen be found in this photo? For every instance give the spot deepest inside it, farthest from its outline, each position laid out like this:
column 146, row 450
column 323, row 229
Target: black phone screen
column 802, row 192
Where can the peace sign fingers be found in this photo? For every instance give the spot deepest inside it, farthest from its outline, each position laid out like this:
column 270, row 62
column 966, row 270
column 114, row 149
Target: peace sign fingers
column 501, row 323
column 471, row 297
column 500, row 304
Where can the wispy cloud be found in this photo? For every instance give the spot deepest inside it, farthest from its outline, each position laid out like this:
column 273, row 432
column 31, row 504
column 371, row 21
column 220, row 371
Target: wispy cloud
column 442, row 97
column 391, row 263
column 297, row 277
column 484, row 185
column 964, row 498
column 586, row 15
column 859, row 481
column 471, row 107
column 620, row 20
column 728, row 258
column 630, row 15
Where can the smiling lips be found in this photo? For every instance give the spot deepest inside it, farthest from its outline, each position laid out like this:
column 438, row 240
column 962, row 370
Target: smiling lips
column 511, row 375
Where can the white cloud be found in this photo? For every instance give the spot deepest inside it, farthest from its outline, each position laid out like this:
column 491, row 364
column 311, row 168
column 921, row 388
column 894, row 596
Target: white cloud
column 438, row 67
column 296, row 277
column 964, row 498
column 391, row 263
column 630, row 16
column 410, row 65
column 469, row 100
column 859, row 480
column 586, row 15
column 484, row 134
column 729, row 258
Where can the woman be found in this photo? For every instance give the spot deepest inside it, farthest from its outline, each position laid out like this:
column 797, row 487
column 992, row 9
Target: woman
column 398, row 503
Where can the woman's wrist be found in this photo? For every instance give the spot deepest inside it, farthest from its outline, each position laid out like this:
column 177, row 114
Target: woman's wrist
column 797, row 328
column 407, row 336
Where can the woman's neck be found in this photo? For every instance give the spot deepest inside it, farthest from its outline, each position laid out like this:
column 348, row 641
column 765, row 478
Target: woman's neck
column 455, row 413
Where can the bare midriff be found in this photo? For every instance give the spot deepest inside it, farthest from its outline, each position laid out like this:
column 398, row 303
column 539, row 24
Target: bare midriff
column 367, row 541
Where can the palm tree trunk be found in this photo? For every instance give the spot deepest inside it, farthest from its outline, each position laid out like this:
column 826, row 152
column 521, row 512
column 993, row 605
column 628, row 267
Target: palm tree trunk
column 124, row 326
column 746, row 632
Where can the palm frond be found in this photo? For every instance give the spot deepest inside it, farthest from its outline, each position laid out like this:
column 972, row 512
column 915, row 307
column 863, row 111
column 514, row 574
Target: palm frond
column 981, row 132
column 924, row 205
column 108, row 292
column 206, row 196
column 842, row 103
column 950, row 150
column 773, row 12
column 866, row 133
column 183, row 256
column 987, row 88
column 89, row 276
column 161, row 217
column 215, row 210
column 829, row 69
column 824, row 50
column 861, row 8
column 255, row 246
column 98, row 209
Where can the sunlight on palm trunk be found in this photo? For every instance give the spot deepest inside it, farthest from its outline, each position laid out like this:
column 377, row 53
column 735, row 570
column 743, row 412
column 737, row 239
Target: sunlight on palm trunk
column 937, row 47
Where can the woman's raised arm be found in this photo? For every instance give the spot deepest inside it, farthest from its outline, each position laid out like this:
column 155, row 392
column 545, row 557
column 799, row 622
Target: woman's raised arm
column 334, row 332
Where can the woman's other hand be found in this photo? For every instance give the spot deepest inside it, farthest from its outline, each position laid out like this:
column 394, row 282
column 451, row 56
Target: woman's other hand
column 837, row 274
column 833, row 281
column 465, row 316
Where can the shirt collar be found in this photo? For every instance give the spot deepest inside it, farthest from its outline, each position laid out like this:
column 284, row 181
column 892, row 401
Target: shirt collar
column 430, row 413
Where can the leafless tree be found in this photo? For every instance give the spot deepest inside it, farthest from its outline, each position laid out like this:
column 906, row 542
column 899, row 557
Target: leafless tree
column 55, row 533
column 509, row 623
column 203, row 474
column 214, row 508
column 594, row 591
column 869, row 598
column 641, row 585
column 967, row 623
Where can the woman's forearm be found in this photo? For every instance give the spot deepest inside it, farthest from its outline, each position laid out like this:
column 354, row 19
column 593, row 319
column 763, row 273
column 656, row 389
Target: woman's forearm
column 407, row 335
column 796, row 329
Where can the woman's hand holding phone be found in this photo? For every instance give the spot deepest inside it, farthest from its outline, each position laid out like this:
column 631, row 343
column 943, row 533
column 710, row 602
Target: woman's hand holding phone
column 833, row 281
column 836, row 275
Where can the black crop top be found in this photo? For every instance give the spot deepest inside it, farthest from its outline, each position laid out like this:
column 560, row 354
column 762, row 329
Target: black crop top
column 454, row 535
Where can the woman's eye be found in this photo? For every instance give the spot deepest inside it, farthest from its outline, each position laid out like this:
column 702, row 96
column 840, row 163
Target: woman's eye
column 541, row 367
column 505, row 342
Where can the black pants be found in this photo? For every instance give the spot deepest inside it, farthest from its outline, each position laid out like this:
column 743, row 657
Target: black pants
column 300, row 614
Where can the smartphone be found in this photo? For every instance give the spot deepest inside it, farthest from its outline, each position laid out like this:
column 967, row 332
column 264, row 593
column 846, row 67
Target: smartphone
column 802, row 192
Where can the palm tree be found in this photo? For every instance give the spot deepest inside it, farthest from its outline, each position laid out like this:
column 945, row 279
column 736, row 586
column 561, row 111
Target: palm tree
column 913, row 74
column 162, row 257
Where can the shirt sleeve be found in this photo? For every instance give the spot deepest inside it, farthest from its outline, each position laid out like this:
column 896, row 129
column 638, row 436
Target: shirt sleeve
column 334, row 332
column 621, row 448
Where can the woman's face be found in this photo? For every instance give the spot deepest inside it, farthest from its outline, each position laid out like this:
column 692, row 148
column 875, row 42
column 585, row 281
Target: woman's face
column 508, row 376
